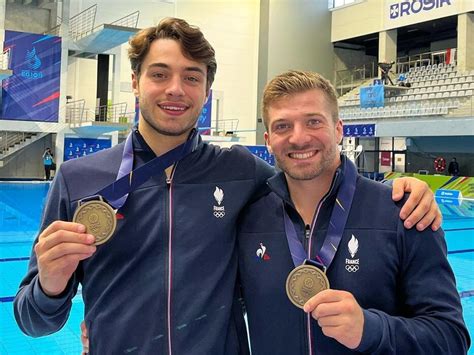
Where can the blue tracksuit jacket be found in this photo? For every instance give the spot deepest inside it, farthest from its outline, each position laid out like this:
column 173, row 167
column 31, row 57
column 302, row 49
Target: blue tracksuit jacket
column 401, row 278
column 165, row 282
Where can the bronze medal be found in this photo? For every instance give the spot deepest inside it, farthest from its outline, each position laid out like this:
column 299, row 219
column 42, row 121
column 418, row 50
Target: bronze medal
column 304, row 282
column 99, row 219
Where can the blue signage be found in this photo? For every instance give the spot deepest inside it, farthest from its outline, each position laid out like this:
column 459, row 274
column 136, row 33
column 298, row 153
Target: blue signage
column 204, row 121
column 407, row 8
column 444, row 193
column 79, row 147
column 359, row 130
column 261, row 151
column 372, row 96
column 32, row 92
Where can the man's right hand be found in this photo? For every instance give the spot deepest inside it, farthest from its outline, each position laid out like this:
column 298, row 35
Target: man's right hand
column 59, row 249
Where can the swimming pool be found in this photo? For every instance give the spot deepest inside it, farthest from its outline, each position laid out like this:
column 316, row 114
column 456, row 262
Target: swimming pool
column 20, row 212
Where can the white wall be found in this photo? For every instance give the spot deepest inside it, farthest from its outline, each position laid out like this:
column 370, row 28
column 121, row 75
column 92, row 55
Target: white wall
column 231, row 26
column 82, row 80
column 356, row 20
column 295, row 34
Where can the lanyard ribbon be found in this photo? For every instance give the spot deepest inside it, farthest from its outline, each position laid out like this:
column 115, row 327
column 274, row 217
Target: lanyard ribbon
column 129, row 180
column 337, row 223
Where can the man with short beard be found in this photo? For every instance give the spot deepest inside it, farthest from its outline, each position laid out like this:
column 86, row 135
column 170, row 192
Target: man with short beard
column 326, row 265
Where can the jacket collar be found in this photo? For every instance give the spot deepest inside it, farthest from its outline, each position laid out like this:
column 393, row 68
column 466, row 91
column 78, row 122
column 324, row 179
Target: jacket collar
column 278, row 184
column 139, row 143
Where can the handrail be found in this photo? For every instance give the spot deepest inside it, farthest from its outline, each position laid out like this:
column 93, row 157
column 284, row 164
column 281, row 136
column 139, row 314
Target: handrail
column 352, row 77
column 82, row 23
column 75, row 111
column 228, row 125
column 130, row 20
column 6, row 58
column 404, row 63
column 10, row 139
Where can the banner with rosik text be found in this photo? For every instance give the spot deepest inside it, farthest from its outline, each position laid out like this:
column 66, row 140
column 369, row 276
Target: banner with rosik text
column 399, row 13
column 32, row 92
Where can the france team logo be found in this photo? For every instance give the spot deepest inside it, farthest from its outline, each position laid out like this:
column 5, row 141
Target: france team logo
column 407, row 8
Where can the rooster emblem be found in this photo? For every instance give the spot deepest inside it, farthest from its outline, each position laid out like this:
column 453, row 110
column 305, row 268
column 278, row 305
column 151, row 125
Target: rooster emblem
column 261, row 252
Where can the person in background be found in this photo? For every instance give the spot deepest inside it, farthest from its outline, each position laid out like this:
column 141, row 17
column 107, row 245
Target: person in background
column 453, row 167
column 48, row 162
column 175, row 231
column 389, row 290
column 385, row 72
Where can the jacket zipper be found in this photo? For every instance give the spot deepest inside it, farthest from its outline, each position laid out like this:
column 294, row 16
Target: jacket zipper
column 307, row 242
column 307, row 235
column 315, row 218
column 169, row 183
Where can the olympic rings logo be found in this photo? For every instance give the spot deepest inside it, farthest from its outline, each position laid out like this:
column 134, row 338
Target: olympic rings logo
column 352, row 268
column 219, row 214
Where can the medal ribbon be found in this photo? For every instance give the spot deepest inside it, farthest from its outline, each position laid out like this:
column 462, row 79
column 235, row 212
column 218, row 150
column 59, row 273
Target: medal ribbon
column 129, row 180
column 337, row 223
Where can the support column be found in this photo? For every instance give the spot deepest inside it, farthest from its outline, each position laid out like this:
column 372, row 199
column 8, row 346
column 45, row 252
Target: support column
column 117, row 60
column 387, row 46
column 102, row 84
column 465, row 55
column 3, row 11
column 64, row 34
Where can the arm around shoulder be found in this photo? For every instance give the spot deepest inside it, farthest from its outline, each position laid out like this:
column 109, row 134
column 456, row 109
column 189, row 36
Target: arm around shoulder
column 430, row 318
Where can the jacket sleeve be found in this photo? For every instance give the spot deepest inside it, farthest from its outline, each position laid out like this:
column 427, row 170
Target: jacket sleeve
column 36, row 313
column 431, row 321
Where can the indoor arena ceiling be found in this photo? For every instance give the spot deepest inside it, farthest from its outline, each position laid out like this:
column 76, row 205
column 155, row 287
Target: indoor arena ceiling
column 409, row 38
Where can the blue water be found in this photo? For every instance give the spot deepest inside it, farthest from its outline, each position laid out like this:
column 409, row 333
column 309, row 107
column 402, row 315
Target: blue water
column 21, row 205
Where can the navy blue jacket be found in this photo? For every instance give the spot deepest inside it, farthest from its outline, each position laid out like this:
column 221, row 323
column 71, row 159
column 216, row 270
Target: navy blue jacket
column 401, row 278
column 165, row 281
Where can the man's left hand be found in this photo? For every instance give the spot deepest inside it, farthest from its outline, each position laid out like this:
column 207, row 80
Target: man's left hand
column 420, row 208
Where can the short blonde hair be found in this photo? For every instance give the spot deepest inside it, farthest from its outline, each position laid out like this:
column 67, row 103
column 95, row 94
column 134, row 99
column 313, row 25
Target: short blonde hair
column 294, row 82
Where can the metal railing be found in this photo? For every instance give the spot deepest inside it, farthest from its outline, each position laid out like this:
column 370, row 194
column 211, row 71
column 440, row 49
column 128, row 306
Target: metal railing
column 10, row 139
column 82, row 23
column 227, row 126
column 75, row 111
column 130, row 20
column 404, row 63
column 77, row 114
column 110, row 113
column 347, row 79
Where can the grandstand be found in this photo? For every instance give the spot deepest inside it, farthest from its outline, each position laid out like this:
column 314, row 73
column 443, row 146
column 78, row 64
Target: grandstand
column 436, row 90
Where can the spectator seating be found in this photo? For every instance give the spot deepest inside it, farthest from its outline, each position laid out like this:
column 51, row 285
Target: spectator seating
column 437, row 90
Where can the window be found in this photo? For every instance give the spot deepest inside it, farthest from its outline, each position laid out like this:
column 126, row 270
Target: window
column 332, row 4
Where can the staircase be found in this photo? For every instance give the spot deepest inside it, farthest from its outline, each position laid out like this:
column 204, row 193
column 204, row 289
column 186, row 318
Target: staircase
column 12, row 142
